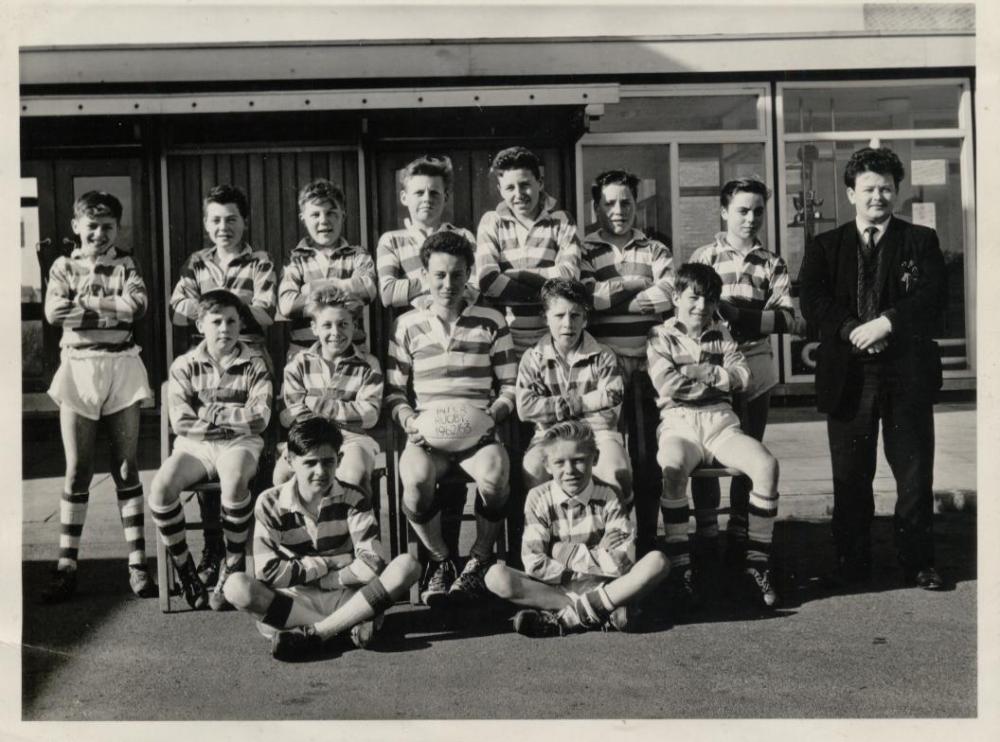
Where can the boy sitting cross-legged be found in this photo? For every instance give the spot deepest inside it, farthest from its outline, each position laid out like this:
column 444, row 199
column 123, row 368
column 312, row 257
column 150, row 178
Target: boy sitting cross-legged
column 317, row 557
column 570, row 376
column 95, row 295
column 334, row 379
column 453, row 351
column 426, row 189
column 577, row 548
column 219, row 403
column 695, row 366
column 323, row 260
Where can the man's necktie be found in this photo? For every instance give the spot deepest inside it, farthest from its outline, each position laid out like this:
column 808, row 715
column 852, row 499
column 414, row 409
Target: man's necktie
column 869, row 243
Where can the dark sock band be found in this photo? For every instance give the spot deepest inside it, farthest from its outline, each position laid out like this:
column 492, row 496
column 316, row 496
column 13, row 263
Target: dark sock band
column 420, row 517
column 278, row 612
column 377, row 596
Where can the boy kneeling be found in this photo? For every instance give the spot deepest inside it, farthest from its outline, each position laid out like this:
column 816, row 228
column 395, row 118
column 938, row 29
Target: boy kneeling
column 577, row 547
column 317, row 555
column 695, row 366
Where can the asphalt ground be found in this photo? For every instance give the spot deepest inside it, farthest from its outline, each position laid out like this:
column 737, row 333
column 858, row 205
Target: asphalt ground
column 884, row 652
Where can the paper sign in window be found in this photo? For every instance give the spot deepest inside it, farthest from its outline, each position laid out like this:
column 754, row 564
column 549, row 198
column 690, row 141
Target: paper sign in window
column 925, row 214
column 928, row 172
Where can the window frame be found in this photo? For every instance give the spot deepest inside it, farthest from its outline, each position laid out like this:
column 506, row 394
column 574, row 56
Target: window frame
column 962, row 133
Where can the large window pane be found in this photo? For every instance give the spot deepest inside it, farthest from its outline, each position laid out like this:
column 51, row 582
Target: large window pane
column 930, row 194
column 651, row 162
column 703, row 170
column 871, row 108
column 673, row 113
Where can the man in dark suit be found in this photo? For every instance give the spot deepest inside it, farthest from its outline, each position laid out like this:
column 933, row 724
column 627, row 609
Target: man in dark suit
column 874, row 288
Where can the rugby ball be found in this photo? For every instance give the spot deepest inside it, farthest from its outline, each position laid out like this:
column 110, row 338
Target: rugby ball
column 453, row 426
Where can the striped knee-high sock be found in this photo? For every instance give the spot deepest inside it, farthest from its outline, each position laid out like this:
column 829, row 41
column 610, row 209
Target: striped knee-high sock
column 763, row 510
column 235, row 524
column 676, row 514
column 171, row 526
column 594, row 607
column 72, row 514
column 370, row 601
column 130, row 507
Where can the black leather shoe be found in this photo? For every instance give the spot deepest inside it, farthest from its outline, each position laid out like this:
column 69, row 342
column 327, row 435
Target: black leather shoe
column 926, row 579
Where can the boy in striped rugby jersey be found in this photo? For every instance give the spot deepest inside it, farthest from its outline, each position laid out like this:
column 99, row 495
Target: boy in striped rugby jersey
column 695, row 366
column 426, row 189
column 631, row 277
column 333, row 379
column 95, row 295
column 219, row 401
column 233, row 265
column 756, row 303
column 577, row 548
column 522, row 243
column 458, row 352
column 230, row 264
column 570, row 376
column 318, row 567
column 323, row 260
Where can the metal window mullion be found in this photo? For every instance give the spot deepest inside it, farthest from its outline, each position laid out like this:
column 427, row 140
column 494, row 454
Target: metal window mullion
column 580, row 205
column 848, row 136
column 967, row 166
column 675, row 198
column 167, row 289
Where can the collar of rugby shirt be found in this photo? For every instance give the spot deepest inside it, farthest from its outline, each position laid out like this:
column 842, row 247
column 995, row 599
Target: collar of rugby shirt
column 675, row 327
column 290, row 500
column 587, row 348
column 548, row 203
column 418, row 233
column 243, row 355
column 351, row 355
column 880, row 229
column 721, row 243
column 564, row 499
column 306, row 246
column 637, row 238
column 215, row 255
column 112, row 253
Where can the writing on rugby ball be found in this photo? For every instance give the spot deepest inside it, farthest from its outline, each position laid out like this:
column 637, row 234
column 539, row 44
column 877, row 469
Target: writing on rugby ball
column 453, row 426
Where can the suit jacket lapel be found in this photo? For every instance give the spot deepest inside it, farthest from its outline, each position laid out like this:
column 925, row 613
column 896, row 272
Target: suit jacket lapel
column 848, row 260
column 890, row 244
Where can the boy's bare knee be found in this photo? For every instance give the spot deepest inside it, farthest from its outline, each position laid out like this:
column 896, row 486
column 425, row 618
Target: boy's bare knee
column 239, row 590
column 657, row 563
column 498, row 581
column 409, row 566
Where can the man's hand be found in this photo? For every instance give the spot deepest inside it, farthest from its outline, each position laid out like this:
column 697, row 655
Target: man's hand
column 871, row 333
column 613, row 539
column 703, row 372
column 409, row 426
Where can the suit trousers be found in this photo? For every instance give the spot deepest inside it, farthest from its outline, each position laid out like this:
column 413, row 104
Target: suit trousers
column 907, row 421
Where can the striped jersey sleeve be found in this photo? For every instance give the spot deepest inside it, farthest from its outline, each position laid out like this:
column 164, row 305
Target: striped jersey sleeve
column 290, row 550
column 544, row 380
column 562, row 535
column 551, row 249
column 757, row 284
column 476, row 367
column 605, row 269
column 95, row 301
column 399, row 264
column 250, row 276
column 670, row 350
column 205, row 403
column 347, row 391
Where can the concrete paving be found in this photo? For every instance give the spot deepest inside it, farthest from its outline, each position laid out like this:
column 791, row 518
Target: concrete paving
column 884, row 652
